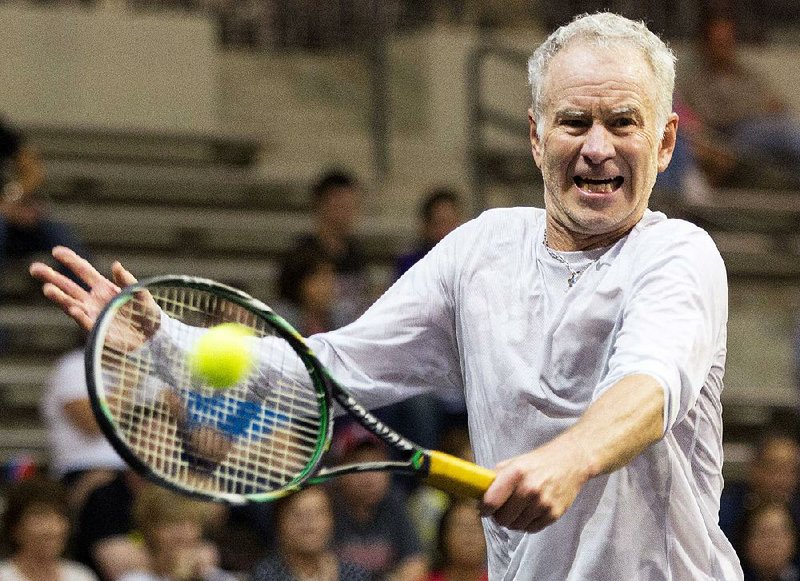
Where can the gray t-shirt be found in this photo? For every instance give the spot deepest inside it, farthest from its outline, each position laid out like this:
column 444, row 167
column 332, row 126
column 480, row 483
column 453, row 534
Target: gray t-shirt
column 488, row 312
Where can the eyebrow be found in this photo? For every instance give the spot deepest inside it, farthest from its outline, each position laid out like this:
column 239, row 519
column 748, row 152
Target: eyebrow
column 627, row 110
column 622, row 111
column 572, row 113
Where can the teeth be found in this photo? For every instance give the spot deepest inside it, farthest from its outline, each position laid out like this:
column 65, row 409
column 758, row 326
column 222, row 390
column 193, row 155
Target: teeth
column 597, row 186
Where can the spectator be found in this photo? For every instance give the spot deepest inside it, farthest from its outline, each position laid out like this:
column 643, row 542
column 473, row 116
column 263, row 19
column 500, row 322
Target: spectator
column 424, row 418
column 427, row 504
column 768, row 544
column 80, row 457
column 440, row 213
column 773, row 476
column 36, row 525
column 304, row 523
column 104, row 535
column 743, row 117
column 335, row 199
column 172, row 528
column 25, row 227
column 307, row 287
column 460, row 545
column 373, row 528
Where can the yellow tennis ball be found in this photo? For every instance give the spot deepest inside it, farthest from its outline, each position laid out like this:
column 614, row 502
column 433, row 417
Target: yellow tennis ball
column 222, row 355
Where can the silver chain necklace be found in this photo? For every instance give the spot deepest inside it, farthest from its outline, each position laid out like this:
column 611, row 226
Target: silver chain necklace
column 574, row 275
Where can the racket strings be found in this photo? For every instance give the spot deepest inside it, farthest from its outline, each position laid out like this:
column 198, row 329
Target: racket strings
column 256, row 436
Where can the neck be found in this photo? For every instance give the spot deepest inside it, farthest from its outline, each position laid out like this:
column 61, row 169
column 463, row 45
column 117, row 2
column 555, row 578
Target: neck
column 332, row 240
column 362, row 513
column 560, row 238
column 35, row 568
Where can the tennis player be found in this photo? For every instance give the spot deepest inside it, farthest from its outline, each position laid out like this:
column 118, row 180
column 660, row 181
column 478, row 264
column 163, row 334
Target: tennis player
column 588, row 338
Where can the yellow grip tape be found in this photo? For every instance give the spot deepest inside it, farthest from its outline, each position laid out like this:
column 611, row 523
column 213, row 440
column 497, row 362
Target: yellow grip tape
column 458, row 476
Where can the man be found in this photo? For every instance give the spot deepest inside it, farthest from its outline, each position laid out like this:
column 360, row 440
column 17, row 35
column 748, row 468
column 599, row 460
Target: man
column 25, row 227
column 588, row 339
column 335, row 201
column 745, row 131
column 439, row 214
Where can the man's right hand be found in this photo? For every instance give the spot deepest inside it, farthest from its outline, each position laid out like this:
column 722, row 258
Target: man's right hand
column 82, row 305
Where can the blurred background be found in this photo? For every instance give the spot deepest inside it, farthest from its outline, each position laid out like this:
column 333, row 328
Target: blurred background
column 185, row 136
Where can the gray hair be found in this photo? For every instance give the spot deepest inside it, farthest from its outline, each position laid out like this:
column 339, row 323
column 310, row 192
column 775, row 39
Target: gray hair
column 607, row 29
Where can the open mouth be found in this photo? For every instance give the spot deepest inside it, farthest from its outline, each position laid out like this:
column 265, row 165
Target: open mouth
column 598, row 186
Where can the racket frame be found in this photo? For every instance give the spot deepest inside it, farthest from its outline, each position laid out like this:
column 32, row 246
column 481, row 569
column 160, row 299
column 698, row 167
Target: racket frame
column 326, row 387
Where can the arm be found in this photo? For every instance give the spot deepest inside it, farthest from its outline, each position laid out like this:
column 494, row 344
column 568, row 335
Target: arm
column 79, row 413
column 29, row 170
column 673, row 327
column 16, row 202
column 533, row 490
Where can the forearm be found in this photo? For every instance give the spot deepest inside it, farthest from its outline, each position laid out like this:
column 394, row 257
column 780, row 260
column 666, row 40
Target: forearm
column 29, row 169
column 620, row 424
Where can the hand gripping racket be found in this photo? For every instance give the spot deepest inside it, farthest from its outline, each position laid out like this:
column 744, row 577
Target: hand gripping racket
column 259, row 439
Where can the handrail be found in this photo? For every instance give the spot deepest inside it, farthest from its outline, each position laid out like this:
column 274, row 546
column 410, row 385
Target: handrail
column 481, row 115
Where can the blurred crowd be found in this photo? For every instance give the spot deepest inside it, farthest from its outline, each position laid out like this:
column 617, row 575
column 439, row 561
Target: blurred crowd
column 89, row 518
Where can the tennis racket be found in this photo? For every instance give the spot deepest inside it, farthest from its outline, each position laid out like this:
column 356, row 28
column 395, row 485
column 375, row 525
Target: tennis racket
column 255, row 441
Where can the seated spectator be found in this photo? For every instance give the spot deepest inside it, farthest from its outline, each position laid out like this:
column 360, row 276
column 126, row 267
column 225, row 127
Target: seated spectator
column 441, row 212
column 171, row 526
column 25, row 227
column 772, row 476
column 768, row 544
column 104, row 533
column 35, row 525
column 460, row 545
column 80, row 456
column 740, row 116
column 424, row 418
column 307, row 288
column 304, row 525
column 373, row 528
column 335, row 200
column 427, row 504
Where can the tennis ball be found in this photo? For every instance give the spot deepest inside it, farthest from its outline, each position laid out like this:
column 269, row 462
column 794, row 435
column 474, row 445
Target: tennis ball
column 221, row 356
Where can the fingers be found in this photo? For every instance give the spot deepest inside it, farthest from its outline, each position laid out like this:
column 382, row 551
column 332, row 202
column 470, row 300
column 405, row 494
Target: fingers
column 47, row 275
column 499, row 491
column 71, row 306
column 530, row 492
column 121, row 276
column 80, row 266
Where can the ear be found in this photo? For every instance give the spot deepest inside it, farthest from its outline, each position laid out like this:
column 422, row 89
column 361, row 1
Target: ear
column 536, row 143
column 667, row 145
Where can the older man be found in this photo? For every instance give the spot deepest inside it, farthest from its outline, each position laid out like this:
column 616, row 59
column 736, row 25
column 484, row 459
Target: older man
column 587, row 338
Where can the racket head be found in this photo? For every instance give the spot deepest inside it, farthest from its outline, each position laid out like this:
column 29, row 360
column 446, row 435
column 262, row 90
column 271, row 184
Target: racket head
column 255, row 441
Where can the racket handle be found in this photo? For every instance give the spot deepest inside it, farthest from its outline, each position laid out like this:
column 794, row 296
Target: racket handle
column 457, row 476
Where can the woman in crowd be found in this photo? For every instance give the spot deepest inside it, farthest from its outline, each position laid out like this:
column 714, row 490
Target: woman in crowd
column 460, row 545
column 172, row 526
column 36, row 527
column 768, row 544
column 304, row 523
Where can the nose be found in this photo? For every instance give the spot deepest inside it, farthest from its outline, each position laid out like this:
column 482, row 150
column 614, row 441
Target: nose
column 597, row 145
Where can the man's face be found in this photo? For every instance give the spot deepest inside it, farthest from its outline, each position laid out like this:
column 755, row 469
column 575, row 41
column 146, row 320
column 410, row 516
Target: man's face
column 599, row 150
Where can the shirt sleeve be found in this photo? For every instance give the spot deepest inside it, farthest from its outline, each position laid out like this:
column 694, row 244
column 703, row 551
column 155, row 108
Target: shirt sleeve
column 405, row 344
column 68, row 380
column 674, row 320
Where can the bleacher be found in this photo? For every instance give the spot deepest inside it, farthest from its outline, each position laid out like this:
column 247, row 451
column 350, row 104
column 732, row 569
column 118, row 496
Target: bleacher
column 159, row 203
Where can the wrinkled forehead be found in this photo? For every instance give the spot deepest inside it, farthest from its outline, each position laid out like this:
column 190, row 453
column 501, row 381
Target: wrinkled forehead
column 599, row 64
